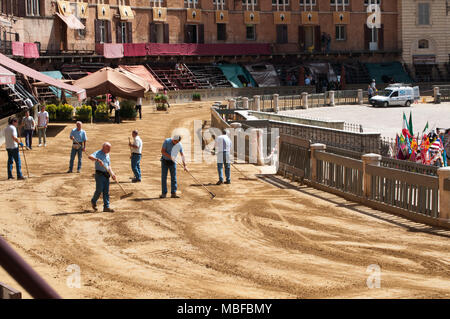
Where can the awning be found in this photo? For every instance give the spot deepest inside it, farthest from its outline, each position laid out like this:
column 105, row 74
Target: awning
column 71, row 21
column 23, row 69
column 6, row 76
column 144, row 73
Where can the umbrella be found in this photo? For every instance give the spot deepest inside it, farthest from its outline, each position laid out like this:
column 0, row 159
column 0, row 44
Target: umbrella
column 115, row 82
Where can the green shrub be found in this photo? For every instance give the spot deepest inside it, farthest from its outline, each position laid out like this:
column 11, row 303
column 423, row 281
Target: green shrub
column 127, row 109
column 84, row 113
column 51, row 109
column 101, row 114
column 64, row 112
column 160, row 98
column 196, row 97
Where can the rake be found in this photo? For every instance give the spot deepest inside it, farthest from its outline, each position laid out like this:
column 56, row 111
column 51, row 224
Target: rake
column 198, row 182
column 242, row 173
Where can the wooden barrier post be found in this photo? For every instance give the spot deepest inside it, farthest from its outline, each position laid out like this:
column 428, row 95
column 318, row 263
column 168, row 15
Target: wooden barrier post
column 231, row 104
column 305, row 100
column 444, row 192
column 369, row 159
column 275, row 103
column 332, row 103
column 257, row 103
column 436, row 95
column 259, row 147
column 360, row 96
column 245, row 103
column 314, row 148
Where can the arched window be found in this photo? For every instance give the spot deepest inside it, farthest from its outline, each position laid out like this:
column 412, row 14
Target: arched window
column 424, row 44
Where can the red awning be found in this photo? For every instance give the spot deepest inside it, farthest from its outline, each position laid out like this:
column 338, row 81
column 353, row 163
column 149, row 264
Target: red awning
column 72, row 22
column 20, row 68
column 6, row 76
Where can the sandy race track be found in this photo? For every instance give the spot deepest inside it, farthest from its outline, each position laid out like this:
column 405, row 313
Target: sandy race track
column 257, row 239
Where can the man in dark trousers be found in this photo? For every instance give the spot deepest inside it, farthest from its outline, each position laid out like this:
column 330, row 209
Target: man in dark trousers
column 103, row 172
column 170, row 149
column 94, row 104
column 12, row 147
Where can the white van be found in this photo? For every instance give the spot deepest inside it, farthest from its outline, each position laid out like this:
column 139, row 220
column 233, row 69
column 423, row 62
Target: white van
column 396, row 94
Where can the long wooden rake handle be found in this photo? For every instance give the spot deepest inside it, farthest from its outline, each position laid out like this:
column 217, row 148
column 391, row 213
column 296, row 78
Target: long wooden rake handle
column 197, row 181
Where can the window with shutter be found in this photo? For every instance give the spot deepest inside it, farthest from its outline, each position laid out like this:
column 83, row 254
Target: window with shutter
column 424, row 13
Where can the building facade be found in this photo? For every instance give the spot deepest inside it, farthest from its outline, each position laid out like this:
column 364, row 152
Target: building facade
column 291, row 26
column 424, row 36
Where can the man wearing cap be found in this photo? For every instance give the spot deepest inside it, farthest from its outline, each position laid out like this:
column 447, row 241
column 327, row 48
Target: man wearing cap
column 136, row 154
column 103, row 172
column 79, row 138
column 169, row 151
column 12, row 147
column 223, row 147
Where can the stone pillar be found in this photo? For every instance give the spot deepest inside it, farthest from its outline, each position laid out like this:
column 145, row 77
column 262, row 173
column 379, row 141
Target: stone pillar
column 259, row 147
column 369, row 159
column 314, row 148
column 245, row 103
column 231, row 104
column 275, row 103
column 360, row 97
column 444, row 192
column 331, row 93
column 436, row 95
column 305, row 100
column 257, row 103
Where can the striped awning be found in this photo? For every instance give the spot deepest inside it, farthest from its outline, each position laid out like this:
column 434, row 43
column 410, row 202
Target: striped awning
column 71, row 21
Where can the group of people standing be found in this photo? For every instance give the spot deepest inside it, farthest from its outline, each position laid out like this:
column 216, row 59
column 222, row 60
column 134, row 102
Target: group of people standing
column 170, row 149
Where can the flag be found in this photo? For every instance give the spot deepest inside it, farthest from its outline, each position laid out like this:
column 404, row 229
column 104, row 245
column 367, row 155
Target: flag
column 410, row 125
column 426, row 128
column 405, row 126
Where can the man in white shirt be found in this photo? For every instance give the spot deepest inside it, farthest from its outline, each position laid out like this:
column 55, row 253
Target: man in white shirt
column 117, row 110
column 139, row 107
column 223, row 148
column 136, row 154
column 12, row 147
column 43, row 120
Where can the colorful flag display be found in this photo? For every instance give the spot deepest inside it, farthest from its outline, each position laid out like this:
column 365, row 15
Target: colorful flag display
column 428, row 149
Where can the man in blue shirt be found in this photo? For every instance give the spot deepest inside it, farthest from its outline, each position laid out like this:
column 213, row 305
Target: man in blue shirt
column 169, row 151
column 102, row 173
column 79, row 138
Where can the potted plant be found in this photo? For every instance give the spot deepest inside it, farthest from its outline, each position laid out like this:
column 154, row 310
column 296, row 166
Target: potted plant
column 83, row 113
column 161, row 102
column 196, row 97
column 128, row 110
column 101, row 113
column 64, row 112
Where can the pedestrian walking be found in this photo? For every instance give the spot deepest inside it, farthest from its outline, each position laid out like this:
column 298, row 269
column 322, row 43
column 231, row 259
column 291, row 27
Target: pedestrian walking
column 29, row 125
column 79, row 138
column 223, row 148
column 111, row 104
column 43, row 120
column 170, row 149
column 94, row 105
column 139, row 107
column 103, row 172
column 117, row 111
column 136, row 155
column 370, row 92
column 12, row 147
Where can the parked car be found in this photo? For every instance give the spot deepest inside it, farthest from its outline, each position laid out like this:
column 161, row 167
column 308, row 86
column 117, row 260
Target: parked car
column 396, row 94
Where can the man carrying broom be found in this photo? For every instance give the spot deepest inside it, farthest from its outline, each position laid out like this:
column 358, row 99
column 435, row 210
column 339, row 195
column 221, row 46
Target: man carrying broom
column 103, row 172
column 79, row 138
